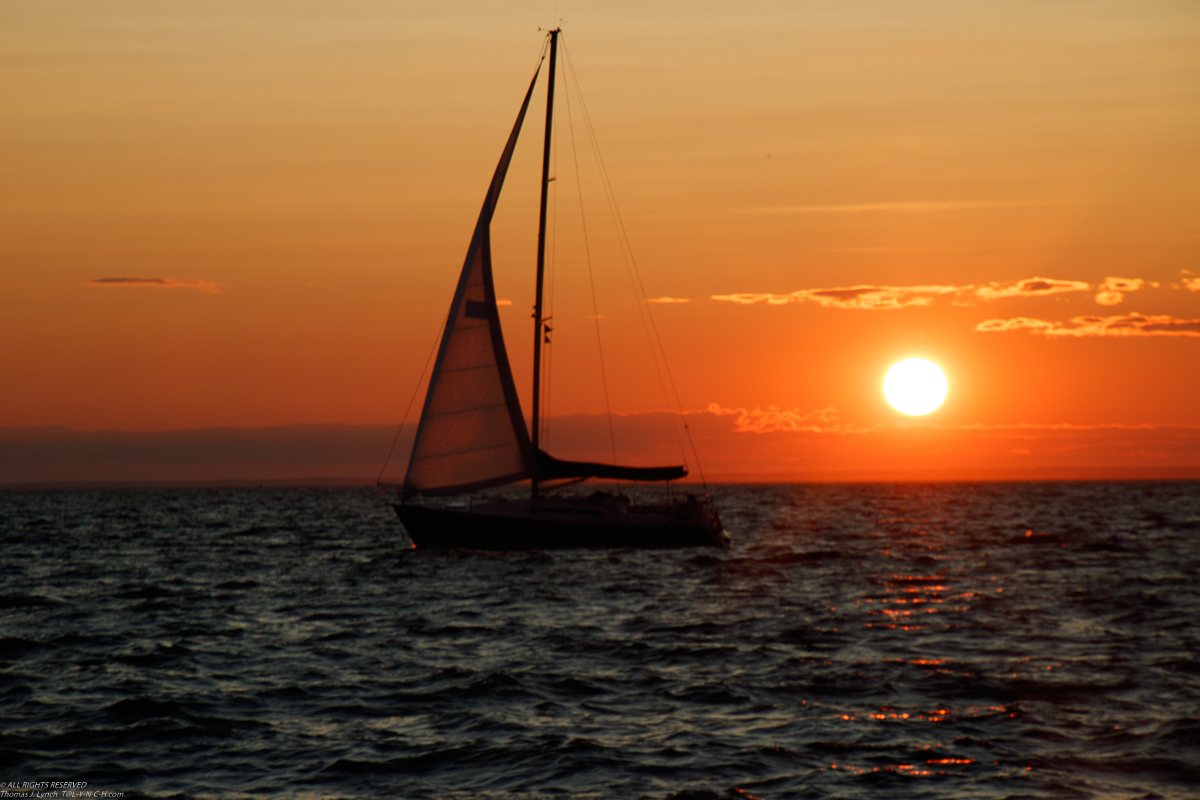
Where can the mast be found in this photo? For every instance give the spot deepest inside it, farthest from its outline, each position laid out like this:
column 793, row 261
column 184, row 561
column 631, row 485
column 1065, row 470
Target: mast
column 538, row 322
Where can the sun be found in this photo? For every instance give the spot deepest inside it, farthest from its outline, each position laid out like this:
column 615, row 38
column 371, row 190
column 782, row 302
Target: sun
column 915, row 387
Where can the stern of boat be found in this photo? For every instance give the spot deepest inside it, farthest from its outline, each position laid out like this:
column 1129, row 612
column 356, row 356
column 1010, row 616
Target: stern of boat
column 705, row 515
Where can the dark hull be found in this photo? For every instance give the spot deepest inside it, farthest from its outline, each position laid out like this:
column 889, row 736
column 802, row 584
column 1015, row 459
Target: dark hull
column 440, row 528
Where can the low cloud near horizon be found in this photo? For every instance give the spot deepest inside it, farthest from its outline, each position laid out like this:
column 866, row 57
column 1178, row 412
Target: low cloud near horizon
column 1121, row 325
column 776, row 419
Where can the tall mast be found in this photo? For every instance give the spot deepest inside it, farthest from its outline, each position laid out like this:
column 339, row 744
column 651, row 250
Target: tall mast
column 538, row 322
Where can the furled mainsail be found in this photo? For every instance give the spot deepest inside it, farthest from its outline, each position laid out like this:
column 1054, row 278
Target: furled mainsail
column 551, row 468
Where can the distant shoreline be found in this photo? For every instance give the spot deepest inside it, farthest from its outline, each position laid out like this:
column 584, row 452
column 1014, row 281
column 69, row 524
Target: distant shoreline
column 1047, row 475
column 353, row 455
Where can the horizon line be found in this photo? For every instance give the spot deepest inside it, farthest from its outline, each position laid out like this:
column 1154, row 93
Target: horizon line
column 1182, row 472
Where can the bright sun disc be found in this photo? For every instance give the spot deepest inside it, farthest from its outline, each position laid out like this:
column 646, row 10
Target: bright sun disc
column 915, row 387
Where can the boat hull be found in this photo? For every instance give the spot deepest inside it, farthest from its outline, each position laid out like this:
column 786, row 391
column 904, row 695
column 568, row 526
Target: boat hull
column 520, row 529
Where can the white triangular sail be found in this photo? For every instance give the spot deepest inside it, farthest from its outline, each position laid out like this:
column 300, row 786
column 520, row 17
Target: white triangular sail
column 472, row 433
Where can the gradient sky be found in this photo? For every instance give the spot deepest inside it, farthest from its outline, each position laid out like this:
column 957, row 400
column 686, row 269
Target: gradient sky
column 1011, row 190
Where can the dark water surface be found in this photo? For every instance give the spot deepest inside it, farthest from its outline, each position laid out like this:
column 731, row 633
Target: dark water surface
column 865, row 641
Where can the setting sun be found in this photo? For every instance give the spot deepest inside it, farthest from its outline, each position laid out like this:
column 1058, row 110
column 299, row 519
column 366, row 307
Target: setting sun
column 915, row 387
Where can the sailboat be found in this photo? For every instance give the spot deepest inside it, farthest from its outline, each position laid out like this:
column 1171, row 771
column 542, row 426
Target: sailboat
column 472, row 433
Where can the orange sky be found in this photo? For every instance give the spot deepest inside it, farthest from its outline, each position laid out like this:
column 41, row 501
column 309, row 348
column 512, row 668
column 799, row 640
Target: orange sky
column 300, row 180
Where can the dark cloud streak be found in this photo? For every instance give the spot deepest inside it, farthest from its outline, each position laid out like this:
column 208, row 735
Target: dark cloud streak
column 162, row 283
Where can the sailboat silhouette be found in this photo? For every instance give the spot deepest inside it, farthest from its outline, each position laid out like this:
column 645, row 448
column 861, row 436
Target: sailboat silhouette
column 472, row 433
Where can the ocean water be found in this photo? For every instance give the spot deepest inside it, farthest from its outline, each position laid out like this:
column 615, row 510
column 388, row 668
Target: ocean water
column 858, row 641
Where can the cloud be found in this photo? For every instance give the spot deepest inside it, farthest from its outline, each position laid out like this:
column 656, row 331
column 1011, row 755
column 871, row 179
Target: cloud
column 1123, row 325
column 1016, row 323
column 872, row 297
column 777, row 419
column 903, row 206
column 1112, row 290
column 504, row 302
column 1191, row 283
column 1123, row 284
column 668, row 300
column 1030, row 287
column 161, row 283
column 861, row 297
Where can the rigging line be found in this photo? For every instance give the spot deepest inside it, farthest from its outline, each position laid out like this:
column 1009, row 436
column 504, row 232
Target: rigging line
column 627, row 255
column 612, row 439
column 626, row 249
column 413, row 399
column 632, row 260
column 624, row 238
